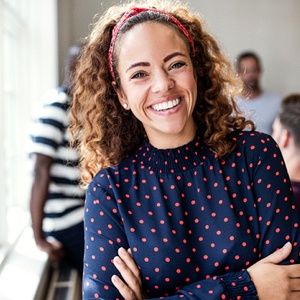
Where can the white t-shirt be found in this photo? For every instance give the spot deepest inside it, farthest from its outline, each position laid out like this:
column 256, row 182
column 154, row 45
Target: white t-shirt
column 262, row 110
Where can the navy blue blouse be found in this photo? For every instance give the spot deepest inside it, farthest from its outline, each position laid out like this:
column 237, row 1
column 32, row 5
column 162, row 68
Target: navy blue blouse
column 194, row 223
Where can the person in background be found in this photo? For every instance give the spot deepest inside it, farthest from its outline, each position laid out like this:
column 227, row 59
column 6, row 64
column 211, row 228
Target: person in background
column 286, row 132
column 56, row 201
column 259, row 105
column 181, row 201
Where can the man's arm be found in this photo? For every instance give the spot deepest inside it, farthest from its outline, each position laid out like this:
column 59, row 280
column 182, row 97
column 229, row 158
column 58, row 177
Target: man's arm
column 39, row 193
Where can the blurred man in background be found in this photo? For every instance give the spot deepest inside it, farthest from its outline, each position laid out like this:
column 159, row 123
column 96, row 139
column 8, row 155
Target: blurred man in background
column 259, row 105
column 56, row 202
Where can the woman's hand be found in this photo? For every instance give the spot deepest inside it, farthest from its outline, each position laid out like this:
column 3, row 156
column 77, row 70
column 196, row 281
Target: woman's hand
column 125, row 264
column 273, row 281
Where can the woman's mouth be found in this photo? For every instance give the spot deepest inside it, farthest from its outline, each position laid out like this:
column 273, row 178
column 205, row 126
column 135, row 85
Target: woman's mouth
column 166, row 105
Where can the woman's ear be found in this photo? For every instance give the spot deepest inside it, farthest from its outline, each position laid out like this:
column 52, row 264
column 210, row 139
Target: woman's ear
column 121, row 96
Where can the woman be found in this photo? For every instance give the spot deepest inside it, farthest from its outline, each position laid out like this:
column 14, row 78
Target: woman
column 171, row 173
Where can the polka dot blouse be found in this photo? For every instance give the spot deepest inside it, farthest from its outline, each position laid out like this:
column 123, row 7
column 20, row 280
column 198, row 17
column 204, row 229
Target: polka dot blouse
column 194, row 223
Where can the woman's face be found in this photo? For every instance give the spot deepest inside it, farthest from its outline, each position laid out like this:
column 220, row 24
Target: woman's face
column 158, row 83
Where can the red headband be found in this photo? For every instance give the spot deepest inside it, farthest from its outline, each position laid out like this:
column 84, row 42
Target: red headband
column 133, row 12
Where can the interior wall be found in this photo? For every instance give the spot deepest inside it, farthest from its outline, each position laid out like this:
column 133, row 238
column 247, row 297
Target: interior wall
column 269, row 27
column 75, row 19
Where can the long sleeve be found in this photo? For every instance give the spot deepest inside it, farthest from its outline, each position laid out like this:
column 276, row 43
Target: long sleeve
column 275, row 202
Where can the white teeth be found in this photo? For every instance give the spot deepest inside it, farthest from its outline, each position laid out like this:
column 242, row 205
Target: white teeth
column 166, row 105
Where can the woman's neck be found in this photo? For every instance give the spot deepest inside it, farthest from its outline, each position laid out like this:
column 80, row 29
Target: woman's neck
column 168, row 141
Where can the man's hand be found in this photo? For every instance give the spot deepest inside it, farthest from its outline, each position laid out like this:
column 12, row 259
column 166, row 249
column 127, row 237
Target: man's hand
column 52, row 247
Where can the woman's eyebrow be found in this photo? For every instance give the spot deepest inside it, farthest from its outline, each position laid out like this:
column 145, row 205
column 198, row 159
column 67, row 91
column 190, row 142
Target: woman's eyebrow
column 170, row 56
column 144, row 64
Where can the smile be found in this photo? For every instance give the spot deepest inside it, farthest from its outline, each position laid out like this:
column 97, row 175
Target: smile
column 166, row 105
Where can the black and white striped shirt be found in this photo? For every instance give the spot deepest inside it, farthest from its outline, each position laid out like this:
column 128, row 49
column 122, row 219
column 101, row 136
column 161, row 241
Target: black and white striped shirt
column 50, row 136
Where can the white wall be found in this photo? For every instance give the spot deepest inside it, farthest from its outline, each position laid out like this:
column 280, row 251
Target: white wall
column 75, row 18
column 269, row 27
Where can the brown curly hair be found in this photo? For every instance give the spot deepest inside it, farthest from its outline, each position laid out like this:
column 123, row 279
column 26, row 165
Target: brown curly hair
column 106, row 133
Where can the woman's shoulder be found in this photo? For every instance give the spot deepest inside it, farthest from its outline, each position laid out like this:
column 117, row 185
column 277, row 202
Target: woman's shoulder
column 253, row 141
column 106, row 175
column 247, row 136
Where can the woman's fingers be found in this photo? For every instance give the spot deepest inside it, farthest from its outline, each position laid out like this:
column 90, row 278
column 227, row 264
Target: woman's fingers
column 279, row 255
column 127, row 258
column 131, row 288
column 126, row 292
column 295, row 285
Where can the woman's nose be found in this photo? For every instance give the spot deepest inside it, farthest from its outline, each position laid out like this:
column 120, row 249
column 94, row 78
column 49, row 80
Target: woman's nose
column 162, row 82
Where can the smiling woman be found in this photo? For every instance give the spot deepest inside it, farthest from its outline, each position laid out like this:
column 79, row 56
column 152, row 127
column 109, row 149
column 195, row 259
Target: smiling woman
column 182, row 201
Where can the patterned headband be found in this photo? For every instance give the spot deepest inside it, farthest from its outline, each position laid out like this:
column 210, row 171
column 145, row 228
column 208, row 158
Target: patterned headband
column 133, row 12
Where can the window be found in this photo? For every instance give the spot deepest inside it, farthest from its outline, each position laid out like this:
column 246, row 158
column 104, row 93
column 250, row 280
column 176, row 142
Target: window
column 28, row 59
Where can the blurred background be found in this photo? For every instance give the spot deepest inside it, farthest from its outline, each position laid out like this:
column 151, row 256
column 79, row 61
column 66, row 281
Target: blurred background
column 34, row 39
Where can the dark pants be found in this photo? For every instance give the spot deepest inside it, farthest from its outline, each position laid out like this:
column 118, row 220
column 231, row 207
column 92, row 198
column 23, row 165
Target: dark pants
column 73, row 241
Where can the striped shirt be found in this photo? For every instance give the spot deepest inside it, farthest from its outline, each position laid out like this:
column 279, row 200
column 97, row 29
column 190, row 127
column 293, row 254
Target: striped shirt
column 50, row 136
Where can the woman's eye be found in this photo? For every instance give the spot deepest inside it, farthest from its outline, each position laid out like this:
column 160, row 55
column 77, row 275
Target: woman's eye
column 138, row 75
column 178, row 65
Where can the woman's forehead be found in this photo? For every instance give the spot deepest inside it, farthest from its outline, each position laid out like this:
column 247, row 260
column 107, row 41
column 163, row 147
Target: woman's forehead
column 148, row 33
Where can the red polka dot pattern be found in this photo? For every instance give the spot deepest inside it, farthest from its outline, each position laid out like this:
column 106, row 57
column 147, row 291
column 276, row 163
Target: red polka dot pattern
column 189, row 218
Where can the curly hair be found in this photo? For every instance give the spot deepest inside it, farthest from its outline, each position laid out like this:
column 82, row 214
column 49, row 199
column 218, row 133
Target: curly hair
column 106, row 133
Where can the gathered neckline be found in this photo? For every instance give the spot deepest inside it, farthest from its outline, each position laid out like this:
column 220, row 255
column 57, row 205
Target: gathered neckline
column 173, row 160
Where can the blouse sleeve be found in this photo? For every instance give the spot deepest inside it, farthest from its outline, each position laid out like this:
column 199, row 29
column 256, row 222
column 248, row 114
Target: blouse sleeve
column 104, row 235
column 274, row 199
